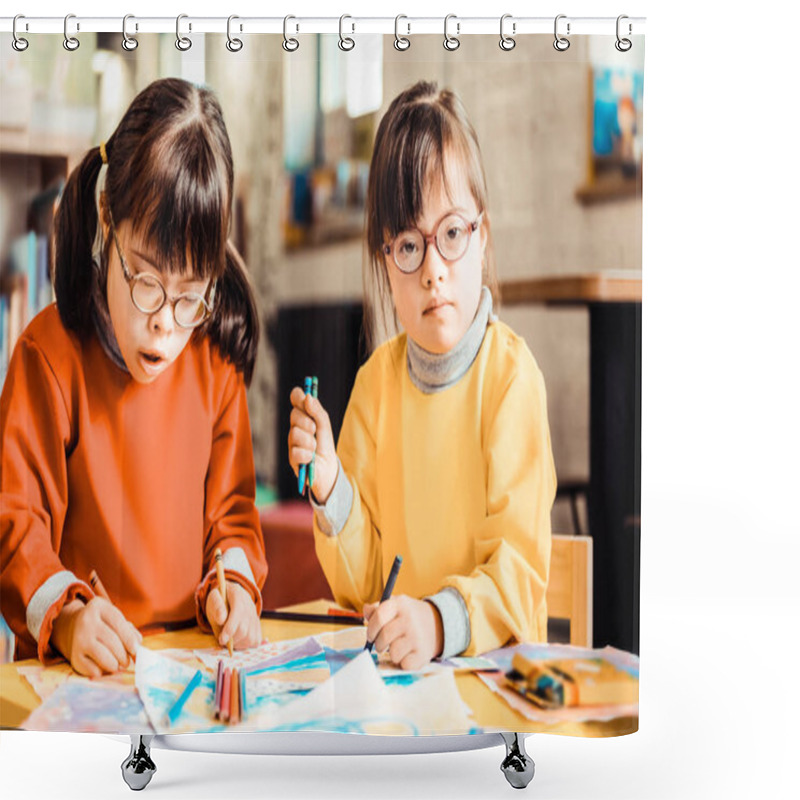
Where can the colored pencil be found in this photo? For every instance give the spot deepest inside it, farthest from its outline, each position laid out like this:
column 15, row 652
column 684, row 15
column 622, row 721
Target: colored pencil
column 324, row 619
column 314, row 394
column 97, row 585
column 177, row 707
column 225, row 701
column 223, row 590
column 218, row 689
column 234, row 717
column 301, row 473
column 243, row 693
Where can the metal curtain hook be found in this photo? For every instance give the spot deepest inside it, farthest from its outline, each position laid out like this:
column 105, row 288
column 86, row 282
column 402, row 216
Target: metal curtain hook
column 183, row 43
column 507, row 42
column 128, row 42
column 623, row 45
column 233, row 44
column 70, row 42
column 18, row 43
column 289, row 44
column 401, row 42
column 561, row 43
column 451, row 42
column 345, row 42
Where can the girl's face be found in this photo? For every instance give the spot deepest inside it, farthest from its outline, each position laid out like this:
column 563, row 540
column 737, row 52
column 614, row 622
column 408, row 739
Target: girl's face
column 149, row 342
column 437, row 303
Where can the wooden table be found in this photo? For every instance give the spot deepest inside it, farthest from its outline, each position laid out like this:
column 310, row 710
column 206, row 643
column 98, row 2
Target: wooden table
column 17, row 699
column 614, row 301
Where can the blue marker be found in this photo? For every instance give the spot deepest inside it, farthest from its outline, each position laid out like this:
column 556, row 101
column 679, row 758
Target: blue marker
column 301, row 475
column 388, row 589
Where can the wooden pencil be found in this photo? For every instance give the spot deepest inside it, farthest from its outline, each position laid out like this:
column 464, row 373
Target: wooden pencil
column 223, row 589
column 234, row 696
column 225, row 700
column 97, row 585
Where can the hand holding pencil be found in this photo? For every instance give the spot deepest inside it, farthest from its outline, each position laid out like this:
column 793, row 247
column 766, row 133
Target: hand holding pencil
column 232, row 613
column 312, row 451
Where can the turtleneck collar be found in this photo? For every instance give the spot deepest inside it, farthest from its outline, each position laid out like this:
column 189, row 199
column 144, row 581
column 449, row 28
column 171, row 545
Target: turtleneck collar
column 434, row 372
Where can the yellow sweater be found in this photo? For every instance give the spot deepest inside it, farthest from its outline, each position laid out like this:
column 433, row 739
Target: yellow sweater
column 460, row 483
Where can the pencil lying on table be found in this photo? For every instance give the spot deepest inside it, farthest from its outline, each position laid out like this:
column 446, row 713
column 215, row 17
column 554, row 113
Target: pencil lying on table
column 331, row 618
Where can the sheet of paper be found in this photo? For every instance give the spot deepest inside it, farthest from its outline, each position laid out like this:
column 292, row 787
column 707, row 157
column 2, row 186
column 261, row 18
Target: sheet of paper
column 92, row 707
column 356, row 700
column 160, row 681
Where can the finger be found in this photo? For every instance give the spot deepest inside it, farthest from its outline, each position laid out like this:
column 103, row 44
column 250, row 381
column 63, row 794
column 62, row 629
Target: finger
column 297, row 397
column 412, row 661
column 303, row 439
column 85, row 666
column 369, row 610
column 383, row 614
column 128, row 635
column 109, row 638
column 302, row 421
column 102, row 656
column 391, row 631
column 216, row 611
column 402, row 648
column 299, row 455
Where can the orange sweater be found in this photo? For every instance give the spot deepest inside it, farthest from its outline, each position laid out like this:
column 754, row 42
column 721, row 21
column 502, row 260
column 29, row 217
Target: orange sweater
column 140, row 482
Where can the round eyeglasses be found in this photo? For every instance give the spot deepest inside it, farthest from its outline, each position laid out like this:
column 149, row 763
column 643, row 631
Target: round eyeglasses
column 148, row 294
column 451, row 237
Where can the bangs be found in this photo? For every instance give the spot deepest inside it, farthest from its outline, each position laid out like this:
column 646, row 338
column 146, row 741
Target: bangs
column 182, row 214
column 426, row 146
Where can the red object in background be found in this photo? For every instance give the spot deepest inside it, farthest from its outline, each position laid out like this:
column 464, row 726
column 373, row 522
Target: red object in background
column 294, row 575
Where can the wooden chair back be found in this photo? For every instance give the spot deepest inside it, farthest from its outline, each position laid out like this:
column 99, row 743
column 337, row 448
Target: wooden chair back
column 569, row 591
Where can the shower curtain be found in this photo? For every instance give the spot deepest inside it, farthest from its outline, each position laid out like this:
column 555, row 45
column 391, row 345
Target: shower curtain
column 448, row 240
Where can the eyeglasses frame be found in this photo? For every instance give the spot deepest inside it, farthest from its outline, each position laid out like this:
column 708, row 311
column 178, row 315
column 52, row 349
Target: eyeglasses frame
column 388, row 249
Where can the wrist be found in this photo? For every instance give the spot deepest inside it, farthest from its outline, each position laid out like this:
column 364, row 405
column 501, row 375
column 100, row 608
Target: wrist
column 438, row 634
column 324, row 483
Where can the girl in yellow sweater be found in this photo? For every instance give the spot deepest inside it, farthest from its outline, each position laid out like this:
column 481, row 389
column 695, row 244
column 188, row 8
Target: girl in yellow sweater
column 444, row 454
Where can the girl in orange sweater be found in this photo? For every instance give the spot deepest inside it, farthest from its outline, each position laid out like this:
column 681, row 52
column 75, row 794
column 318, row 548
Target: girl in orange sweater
column 126, row 442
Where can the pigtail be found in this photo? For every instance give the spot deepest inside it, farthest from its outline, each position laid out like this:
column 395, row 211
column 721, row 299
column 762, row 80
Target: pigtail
column 234, row 327
column 75, row 226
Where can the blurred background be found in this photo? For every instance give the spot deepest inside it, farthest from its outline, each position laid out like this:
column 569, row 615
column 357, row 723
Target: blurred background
column 561, row 135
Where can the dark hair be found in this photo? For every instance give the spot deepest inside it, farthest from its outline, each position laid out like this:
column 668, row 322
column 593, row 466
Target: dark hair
column 423, row 127
column 170, row 172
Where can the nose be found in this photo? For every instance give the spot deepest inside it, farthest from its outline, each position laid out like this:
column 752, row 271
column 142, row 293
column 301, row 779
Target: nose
column 434, row 267
column 162, row 321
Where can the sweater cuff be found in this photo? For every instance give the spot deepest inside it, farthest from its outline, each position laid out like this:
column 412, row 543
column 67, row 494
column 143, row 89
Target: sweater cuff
column 45, row 606
column 237, row 570
column 455, row 621
column 332, row 516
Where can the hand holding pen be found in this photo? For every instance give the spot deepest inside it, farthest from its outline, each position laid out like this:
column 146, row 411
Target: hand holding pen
column 312, row 451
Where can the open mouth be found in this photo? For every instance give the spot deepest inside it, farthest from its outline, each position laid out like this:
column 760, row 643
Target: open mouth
column 152, row 362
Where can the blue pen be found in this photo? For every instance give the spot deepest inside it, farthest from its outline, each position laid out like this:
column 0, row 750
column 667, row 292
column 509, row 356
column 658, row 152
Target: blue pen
column 301, row 474
column 176, row 709
column 387, row 590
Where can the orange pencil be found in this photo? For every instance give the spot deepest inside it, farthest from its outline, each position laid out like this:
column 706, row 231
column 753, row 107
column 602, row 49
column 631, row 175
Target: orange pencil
column 97, row 585
column 223, row 589
column 234, row 696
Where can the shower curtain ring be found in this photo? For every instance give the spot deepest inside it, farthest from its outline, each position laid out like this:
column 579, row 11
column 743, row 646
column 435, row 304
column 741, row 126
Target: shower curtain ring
column 401, row 42
column 70, row 43
column 289, row 43
column 345, row 42
column 233, row 44
column 18, row 43
column 561, row 43
column 129, row 43
column 183, row 43
column 507, row 42
column 623, row 45
column 451, row 42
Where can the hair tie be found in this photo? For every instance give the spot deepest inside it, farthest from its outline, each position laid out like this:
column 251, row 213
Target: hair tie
column 103, row 153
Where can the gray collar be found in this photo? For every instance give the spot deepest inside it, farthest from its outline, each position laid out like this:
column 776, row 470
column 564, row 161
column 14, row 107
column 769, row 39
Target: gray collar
column 434, row 372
